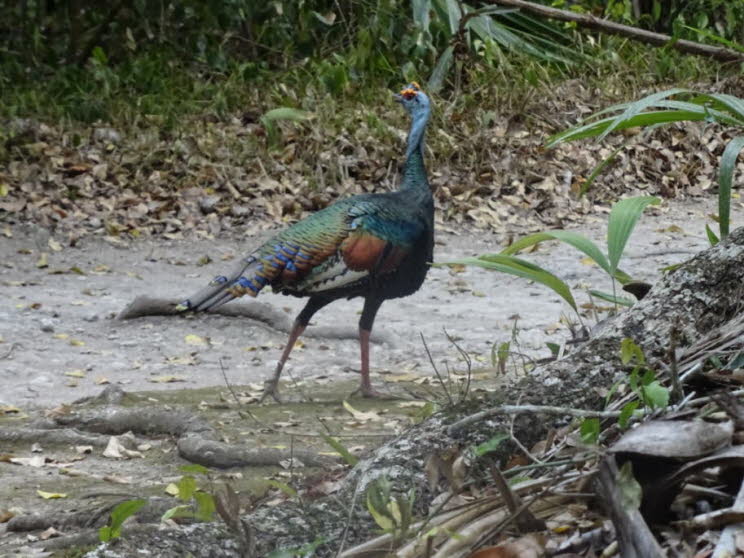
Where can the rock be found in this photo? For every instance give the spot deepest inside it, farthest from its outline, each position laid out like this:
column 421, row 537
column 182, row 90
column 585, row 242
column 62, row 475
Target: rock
column 107, row 135
column 208, row 203
column 46, row 325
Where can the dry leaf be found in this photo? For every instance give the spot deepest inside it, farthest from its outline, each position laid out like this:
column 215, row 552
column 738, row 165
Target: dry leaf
column 35, row 461
column 192, row 339
column 167, row 379
column 51, row 495
column 361, row 416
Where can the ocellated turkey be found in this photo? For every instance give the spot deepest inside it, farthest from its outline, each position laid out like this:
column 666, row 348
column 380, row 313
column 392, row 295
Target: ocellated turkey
column 374, row 246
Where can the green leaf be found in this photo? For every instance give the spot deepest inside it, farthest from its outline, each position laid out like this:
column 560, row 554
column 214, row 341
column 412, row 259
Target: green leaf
column 590, row 430
column 105, row 534
column 656, row 395
column 712, row 237
column 630, row 490
column 639, row 106
column 725, row 178
column 194, row 468
column 623, row 218
column 491, row 445
column 183, row 510
column 119, row 515
column 286, row 113
column 205, row 506
column 521, row 268
column 601, row 166
column 581, row 243
column 345, row 454
column 186, row 487
column 383, row 521
column 421, row 10
column 596, row 128
column 614, row 299
column 629, row 351
column 626, row 413
column 423, row 413
column 284, row 487
column 440, row 71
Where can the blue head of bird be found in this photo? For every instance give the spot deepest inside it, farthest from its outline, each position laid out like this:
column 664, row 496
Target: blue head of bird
column 413, row 100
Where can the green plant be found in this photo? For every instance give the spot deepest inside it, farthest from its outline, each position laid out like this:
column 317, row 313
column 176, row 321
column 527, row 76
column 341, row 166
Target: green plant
column 118, row 516
column 272, row 117
column 642, row 380
column 304, row 551
column 198, row 503
column 393, row 513
column 345, row 454
column 623, row 219
column 665, row 107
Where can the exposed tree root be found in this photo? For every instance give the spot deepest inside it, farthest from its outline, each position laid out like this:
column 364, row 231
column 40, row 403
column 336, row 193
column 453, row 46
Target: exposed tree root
column 148, row 306
column 211, row 453
column 92, row 516
column 146, row 421
column 64, row 436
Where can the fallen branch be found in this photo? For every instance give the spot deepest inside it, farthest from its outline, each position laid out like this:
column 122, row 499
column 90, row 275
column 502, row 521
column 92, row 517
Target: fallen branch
column 636, row 540
column 143, row 306
column 455, row 427
column 66, row 436
column 649, row 37
column 212, row 453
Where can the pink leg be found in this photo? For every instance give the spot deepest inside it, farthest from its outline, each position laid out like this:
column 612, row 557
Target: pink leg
column 366, row 387
column 271, row 387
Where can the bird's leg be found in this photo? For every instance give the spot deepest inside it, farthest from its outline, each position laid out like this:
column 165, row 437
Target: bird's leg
column 271, row 387
column 371, row 305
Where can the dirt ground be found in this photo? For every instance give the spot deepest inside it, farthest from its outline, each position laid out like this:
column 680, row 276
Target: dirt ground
column 59, row 341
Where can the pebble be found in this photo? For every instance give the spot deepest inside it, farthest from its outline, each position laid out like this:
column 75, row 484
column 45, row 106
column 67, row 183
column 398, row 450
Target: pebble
column 91, row 318
column 47, row 325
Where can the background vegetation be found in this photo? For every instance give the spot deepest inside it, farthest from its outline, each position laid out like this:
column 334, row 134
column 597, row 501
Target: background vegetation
column 88, row 60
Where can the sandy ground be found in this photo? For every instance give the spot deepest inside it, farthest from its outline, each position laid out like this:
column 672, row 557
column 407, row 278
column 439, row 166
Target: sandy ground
column 60, row 341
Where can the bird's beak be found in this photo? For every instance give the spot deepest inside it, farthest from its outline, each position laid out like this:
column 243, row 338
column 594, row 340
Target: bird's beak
column 397, row 97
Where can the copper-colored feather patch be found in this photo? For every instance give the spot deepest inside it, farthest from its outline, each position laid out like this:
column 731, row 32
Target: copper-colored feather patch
column 392, row 259
column 362, row 251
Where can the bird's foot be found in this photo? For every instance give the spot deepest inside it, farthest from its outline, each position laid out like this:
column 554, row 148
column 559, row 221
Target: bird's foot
column 271, row 387
column 368, row 392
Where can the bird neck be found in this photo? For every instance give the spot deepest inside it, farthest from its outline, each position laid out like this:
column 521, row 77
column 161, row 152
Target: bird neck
column 414, row 173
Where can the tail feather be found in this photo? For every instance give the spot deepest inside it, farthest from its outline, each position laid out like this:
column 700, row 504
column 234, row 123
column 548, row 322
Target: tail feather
column 221, row 289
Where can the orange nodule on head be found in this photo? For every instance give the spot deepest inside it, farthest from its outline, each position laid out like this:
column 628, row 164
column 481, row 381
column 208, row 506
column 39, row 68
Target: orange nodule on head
column 411, row 92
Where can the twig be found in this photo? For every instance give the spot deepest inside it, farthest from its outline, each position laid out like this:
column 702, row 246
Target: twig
column 526, row 521
column 9, row 351
column 677, row 393
column 516, row 409
column 519, row 444
column 348, row 520
column 468, row 363
column 605, row 26
column 727, row 542
column 434, row 366
column 241, row 412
